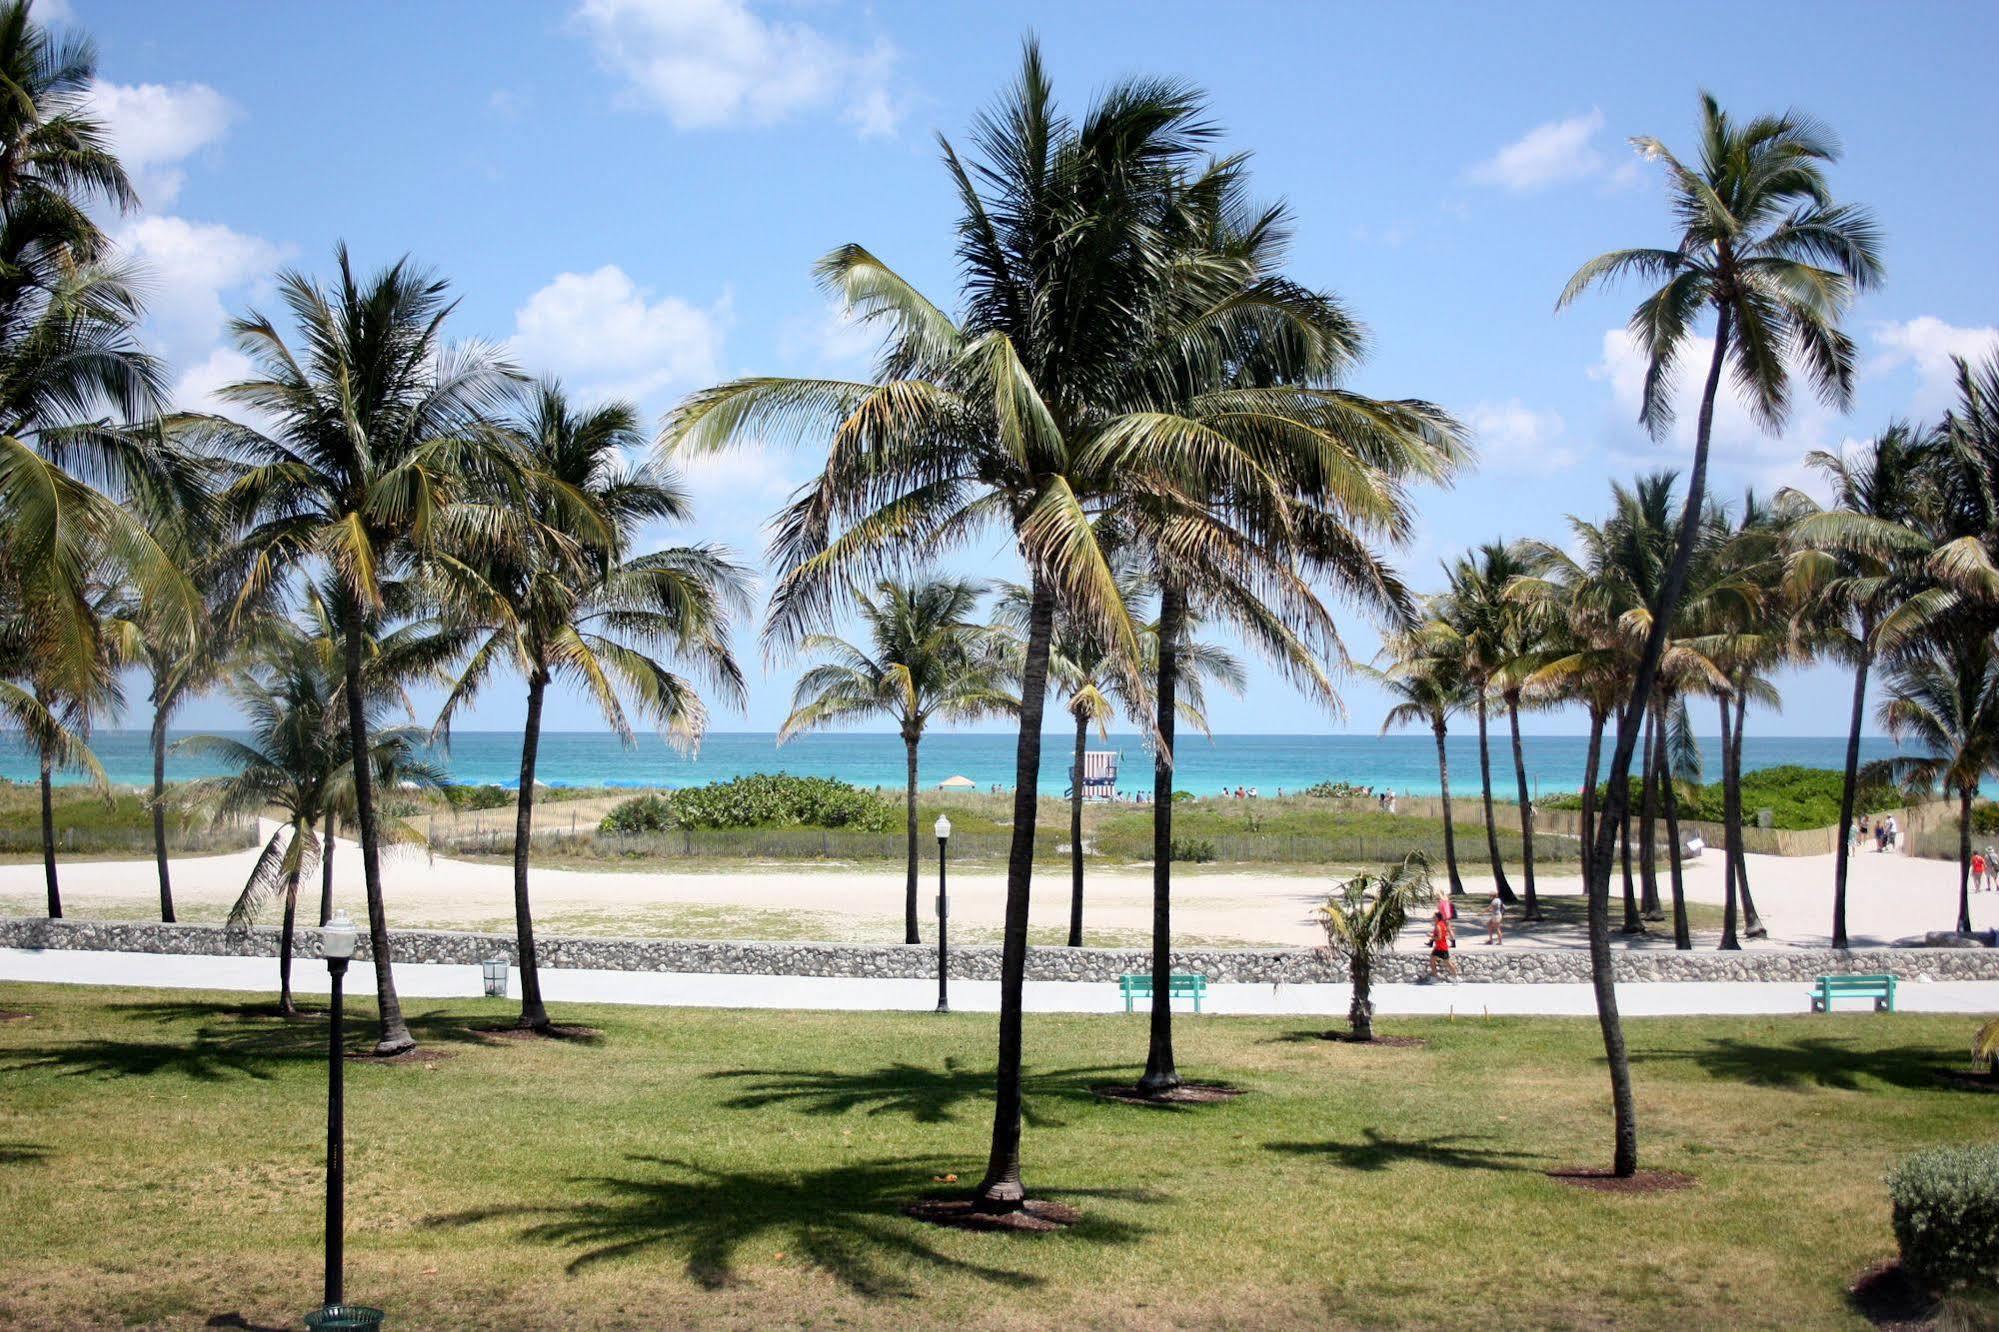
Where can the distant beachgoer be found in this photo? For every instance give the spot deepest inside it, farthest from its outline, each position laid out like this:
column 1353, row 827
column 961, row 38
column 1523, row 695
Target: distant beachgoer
column 1391, row 802
column 1447, row 911
column 1977, row 871
column 1991, row 870
column 1495, row 921
column 1880, row 837
column 1441, row 960
column 1889, row 822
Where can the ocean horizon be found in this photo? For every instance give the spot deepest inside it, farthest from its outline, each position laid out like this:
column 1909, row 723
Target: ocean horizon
column 1406, row 764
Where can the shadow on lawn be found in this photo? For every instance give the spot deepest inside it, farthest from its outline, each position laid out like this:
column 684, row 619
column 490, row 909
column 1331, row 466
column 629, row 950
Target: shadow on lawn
column 1821, row 1061
column 22, row 1153
column 229, row 1040
column 927, row 1095
column 1377, row 1151
column 842, row 1219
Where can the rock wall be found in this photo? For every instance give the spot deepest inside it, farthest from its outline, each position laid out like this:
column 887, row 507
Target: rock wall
column 917, row 961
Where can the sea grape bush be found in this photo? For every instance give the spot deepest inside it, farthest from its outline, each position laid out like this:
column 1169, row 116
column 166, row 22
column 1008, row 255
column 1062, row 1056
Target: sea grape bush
column 761, row 800
column 1946, row 1217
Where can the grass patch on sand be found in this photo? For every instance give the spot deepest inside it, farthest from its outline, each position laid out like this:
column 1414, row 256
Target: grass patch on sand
column 160, row 1163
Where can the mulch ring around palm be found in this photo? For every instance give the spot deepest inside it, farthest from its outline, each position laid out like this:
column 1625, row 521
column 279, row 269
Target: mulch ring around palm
column 1971, row 1082
column 427, row 1056
column 1885, row 1297
column 556, row 1031
column 14, row 1015
column 1377, row 1043
column 1187, row 1093
column 1599, row 1180
column 1036, row 1216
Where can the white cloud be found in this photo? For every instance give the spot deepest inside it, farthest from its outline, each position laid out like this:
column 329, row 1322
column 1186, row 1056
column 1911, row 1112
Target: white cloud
column 832, row 339
column 197, row 388
column 189, row 268
column 712, row 63
column 1513, row 437
column 1549, row 154
column 1927, row 344
column 609, row 338
column 155, row 127
column 53, row 11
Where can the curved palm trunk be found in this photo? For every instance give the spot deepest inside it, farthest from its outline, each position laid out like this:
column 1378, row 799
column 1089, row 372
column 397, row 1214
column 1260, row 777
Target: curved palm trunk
column 1633, row 924
column 1526, row 808
column 300, row 831
column 1964, row 859
column 534, row 1017
column 909, row 931
column 395, row 1033
column 159, row 741
column 1731, row 832
column 1591, row 758
column 326, row 872
column 1681, row 937
column 1450, row 829
column 1076, row 838
column 1499, row 883
column 49, row 836
column 1849, row 786
column 1648, row 827
column 1001, row 1189
column 1160, row 1074
column 1618, row 799
column 1752, row 924
column 1360, row 1012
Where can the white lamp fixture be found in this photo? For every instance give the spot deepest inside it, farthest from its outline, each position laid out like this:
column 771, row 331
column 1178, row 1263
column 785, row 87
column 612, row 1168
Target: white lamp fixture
column 337, row 938
column 943, row 827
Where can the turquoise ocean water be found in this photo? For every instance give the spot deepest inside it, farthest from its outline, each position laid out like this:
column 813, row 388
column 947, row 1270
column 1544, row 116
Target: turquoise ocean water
column 1405, row 763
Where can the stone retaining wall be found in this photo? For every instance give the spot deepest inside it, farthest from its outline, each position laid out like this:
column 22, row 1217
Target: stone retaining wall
column 918, row 961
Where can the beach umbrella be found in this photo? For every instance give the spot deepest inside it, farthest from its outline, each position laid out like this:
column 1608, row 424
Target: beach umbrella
column 957, row 784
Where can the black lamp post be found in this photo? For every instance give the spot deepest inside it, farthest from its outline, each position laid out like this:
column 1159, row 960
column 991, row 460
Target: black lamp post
column 943, row 910
column 337, row 940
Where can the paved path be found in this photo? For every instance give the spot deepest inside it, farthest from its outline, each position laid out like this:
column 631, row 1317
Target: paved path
column 711, row 990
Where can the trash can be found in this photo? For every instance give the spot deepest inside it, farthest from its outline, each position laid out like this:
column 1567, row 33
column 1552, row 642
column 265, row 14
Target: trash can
column 344, row 1316
column 495, row 969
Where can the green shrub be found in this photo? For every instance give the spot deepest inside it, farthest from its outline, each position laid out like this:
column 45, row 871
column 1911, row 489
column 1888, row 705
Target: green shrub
column 1193, row 850
column 1946, row 1218
column 1985, row 818
column 1797, row 797
column 1337, row 791
column 488, row 796
column 760, row 800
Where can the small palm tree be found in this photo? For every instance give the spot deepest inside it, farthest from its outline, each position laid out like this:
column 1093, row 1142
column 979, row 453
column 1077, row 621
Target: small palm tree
column 926, row 659
column 1363, row 916
column 1944, row 695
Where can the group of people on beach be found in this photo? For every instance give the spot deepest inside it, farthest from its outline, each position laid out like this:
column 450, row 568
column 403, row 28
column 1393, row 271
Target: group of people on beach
column 1985, row 871
column 1886, row 832
column 1444, row 935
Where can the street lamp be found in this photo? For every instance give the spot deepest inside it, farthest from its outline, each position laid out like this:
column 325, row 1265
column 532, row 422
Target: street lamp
column 337, row 939
column 943, row 909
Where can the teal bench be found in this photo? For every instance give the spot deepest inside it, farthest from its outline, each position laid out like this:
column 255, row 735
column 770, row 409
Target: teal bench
column 1881, row 989
column 1179, row 987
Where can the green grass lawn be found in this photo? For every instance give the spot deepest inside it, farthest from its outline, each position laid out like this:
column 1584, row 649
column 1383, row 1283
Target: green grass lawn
column 160, row 1163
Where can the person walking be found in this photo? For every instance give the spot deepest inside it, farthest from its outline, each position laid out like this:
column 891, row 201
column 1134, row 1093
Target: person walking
column 1495, row 921
column 1977, row 871
column 1441, row 943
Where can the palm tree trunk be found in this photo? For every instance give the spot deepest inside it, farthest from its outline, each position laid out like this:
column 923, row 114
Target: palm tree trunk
column 285, row 934
column 534, row 1017
column 1964, row 859
column 1633, row 923
column 159, row 740
column 1533, row 911
column 1731, row 830
column 1590, row 760
column 1648, row 827
column 395, row 1035
column 326, row 872
column 1001, row 1189
column 49, row 835
column 1450, row 830
column 1160, row 1074
column 1752, row 924
column 1360, row 1013
column 1499, row 883
column 1849, row 787
column 909, row 931
column 1681, row 937
column 1076, row 838
column 1625, row 1150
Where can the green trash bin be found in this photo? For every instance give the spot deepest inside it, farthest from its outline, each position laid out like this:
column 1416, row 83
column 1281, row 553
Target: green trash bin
column 344, row 1316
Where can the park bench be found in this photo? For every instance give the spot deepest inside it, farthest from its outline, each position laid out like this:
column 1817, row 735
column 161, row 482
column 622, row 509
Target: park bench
column 1179, row 987
column 1881, row 989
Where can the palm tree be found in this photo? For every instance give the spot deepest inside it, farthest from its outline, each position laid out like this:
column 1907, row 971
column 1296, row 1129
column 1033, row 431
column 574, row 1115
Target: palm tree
column 1010, row 415
column 369, row 444
column 1857, row 564
column 926, row 659
column 1476, row 614
column 1944, row 695
column 1429, row 688
column 559, row 596
column 1364, row 916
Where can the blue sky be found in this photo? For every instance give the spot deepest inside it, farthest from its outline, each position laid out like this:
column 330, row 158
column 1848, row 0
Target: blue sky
column 632, row 192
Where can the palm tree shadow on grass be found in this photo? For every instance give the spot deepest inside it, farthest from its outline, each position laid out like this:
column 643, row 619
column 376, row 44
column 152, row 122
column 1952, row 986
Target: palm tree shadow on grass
column 22, row 1153
column 843, row 1219
column 1831, row 1062
column 928, row 1095
column 248, row 1039
column 1377, row 1151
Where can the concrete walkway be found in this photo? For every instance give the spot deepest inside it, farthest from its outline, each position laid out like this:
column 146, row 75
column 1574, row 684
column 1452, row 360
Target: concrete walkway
column 715, row 990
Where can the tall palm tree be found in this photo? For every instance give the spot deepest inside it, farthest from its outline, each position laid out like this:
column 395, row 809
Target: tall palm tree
column 1428, row 688
column 559, row 595
column 370, row 444
column 1763, row 245
column 1477, row 614
column 926, row 659
column 1005, row 416
column 1944, row 695
column 1857, row 563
